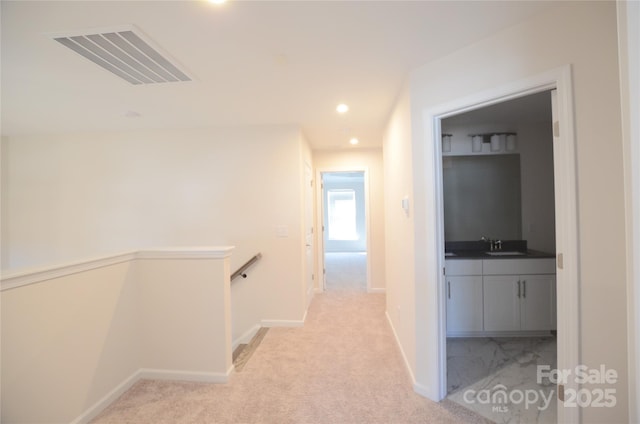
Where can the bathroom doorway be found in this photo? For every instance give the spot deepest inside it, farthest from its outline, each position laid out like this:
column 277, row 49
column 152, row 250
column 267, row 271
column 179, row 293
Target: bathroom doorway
column 499, row 200
column 345, row 229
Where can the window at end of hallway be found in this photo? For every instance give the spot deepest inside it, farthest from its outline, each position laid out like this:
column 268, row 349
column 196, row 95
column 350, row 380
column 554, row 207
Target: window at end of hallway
column 342, row 215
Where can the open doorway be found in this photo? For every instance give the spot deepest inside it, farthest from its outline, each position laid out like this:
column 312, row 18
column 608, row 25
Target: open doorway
column 344, row 236
column 431, row 302
column 500, row 248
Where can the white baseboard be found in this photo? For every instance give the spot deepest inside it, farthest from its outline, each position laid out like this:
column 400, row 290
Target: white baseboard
column 283, row 322
column 248, row 335
column 404, row 357
column 107, row 400
column 423, row 391
column 245, row 338
column 420, row 389
column 176, row 375
column 150, row 374
column 376, row 290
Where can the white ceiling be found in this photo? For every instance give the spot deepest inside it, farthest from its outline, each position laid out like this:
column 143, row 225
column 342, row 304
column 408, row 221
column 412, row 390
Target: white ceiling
column 254, row 63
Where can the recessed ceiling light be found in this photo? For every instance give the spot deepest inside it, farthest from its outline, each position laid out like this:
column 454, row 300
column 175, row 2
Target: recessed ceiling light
column 354, row 141
column 342, row 108
column 217, row 1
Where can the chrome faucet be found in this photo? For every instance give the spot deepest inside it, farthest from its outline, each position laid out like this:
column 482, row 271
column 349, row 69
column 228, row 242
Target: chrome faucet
column 493, row 244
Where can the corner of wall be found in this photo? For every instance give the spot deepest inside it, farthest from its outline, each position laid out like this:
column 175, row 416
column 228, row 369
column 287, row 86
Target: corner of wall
column 398, row 226
column 4, row 205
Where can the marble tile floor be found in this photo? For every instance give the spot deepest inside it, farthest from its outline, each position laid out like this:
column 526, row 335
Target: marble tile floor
column 497, row 377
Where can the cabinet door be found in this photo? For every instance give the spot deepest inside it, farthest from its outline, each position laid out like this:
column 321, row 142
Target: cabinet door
column 464, row 303
column 501, row 303
column 536, row 307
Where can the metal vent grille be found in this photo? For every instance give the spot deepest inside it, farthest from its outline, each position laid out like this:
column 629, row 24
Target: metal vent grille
column 125, row 54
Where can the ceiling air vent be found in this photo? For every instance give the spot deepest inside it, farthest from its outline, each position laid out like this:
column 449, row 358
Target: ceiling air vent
column 124, row 53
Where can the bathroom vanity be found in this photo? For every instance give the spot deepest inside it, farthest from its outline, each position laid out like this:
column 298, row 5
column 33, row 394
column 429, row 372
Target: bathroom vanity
column 500, row 294
column 496, row 285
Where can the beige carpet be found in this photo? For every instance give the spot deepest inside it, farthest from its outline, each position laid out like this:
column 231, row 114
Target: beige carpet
column 345, row 270
column 343, row 366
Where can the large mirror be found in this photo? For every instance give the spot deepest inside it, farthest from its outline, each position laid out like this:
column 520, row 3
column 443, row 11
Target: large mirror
column 482, row 197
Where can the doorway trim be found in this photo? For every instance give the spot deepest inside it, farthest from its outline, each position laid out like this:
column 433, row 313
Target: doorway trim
column 320, row 222
column 308, row 218
column 567, row 237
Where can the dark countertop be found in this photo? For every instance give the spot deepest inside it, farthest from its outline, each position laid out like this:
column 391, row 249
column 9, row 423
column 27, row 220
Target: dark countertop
column 478, row 249
column 475, row 254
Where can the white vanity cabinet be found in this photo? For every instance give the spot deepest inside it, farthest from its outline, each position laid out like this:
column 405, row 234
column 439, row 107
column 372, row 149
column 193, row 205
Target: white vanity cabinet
column 464, row 296
column 500, row 296
column 537, row 304
column 501, row 304
column 519, row 294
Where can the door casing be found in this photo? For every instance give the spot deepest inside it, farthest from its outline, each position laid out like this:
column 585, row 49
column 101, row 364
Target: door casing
column 567, row 247
column 308, row 233
column 320, row 286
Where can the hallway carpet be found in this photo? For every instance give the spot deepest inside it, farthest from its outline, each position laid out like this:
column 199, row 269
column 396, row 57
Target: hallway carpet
column 345, row 270
column 343, row 366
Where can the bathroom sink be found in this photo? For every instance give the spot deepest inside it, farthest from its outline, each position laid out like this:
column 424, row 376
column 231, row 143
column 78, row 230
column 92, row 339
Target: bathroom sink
column 506, row 253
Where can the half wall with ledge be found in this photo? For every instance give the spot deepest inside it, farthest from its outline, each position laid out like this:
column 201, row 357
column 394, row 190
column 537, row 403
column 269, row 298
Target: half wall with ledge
column 76, row 336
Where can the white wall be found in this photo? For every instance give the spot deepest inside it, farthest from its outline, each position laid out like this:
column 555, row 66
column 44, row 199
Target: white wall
column 184, row 315
column 78, row 336
column 54, row 365
column 582, row 34
column 535, row 146
column 399, row 227
column 76, row 195
column 538, row 203
column 371, row 160
column 4, row 253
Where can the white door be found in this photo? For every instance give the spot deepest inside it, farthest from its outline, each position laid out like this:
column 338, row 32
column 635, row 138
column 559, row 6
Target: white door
column 308, row 229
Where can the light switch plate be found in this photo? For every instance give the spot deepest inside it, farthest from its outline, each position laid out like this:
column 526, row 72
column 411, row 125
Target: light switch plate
column 405, row 205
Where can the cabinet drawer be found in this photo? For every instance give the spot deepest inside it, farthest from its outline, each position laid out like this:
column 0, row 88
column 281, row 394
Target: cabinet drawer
column 519, row 266
column 463, row 266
